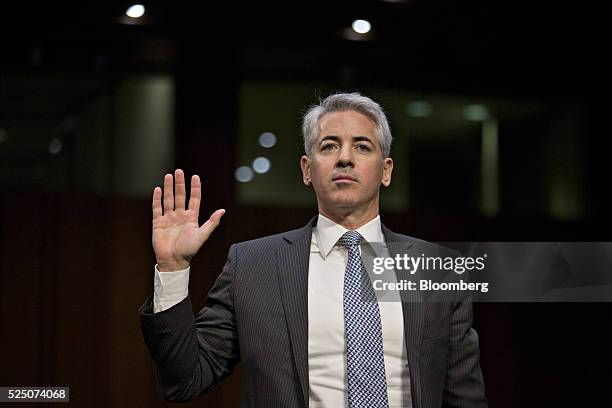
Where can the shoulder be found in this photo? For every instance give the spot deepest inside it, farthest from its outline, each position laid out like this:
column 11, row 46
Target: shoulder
column 417, row 244
column 391, row 236
column 272, row 242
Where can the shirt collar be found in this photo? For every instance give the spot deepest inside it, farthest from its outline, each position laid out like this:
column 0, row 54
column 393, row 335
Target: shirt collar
column 328, row 233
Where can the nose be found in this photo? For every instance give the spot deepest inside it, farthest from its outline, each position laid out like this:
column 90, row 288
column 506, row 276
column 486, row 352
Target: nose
column 345, row 156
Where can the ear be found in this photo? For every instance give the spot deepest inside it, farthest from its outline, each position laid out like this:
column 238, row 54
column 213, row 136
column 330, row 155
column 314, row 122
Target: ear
column 305, row 165
column 387, row 170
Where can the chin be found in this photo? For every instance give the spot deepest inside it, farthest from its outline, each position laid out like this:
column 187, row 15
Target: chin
column 343, row 199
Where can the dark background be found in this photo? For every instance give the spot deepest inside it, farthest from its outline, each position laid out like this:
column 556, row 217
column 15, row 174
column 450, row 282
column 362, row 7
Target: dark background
column 75, row 253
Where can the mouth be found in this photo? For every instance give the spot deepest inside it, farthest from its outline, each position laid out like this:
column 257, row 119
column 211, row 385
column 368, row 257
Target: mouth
column 343, row 178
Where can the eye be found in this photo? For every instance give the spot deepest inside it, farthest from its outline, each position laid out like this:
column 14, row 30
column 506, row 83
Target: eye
column 327, row 146
column 363, row 147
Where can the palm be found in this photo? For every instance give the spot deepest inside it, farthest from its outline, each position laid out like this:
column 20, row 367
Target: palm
column 177, row 237
column 176, row 234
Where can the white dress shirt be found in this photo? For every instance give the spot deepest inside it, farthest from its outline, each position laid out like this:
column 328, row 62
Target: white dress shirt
column 326, row 341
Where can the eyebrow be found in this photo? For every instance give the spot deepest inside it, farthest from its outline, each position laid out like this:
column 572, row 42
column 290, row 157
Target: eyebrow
column 357, row 138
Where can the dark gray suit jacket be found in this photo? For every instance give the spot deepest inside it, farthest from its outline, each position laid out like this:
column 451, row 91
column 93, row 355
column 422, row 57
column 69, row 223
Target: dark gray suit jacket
column 257, row 314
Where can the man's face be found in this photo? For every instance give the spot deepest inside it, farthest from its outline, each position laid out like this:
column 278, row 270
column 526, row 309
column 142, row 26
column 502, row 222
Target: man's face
column 346, row 167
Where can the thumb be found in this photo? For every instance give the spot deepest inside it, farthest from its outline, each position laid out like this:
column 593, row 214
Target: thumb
column 213, row 222
column 215, row 217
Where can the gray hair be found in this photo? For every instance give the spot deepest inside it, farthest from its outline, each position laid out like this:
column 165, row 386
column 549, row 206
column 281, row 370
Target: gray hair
column 339, row 102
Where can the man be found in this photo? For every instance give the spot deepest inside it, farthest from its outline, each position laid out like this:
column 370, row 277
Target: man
column 293, row 308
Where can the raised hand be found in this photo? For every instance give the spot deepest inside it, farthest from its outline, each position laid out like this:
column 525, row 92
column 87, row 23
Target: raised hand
column 177, row 237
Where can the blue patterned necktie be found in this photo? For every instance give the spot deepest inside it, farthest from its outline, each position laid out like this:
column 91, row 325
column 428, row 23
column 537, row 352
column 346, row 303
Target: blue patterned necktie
column 367, row 385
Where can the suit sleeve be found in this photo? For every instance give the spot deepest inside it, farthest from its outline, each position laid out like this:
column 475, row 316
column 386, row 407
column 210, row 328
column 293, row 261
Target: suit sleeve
column 464, row 382
column 192, row 354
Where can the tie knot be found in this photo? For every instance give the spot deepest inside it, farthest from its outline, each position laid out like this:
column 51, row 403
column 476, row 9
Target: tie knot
column 350, row 238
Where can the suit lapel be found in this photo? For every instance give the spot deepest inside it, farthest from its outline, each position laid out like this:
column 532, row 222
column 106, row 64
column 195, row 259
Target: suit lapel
column 413, row 311
column 293, row 257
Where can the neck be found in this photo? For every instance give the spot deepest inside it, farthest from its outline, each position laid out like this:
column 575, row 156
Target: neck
column 350, row 218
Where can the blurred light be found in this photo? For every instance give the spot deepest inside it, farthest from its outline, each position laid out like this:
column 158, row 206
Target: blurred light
column 361, row 26
column 55, row 146
column 135, row 11
column 476, row 112
column 267, row 139
column 418, row 109
column 261, row 165
column 3, row 135
column 244, row 174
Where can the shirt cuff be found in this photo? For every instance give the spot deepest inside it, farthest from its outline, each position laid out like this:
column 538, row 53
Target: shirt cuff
column 169, row 288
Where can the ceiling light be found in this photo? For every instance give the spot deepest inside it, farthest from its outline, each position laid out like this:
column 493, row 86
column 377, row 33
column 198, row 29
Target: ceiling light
column 361, row 26
column 135, row 11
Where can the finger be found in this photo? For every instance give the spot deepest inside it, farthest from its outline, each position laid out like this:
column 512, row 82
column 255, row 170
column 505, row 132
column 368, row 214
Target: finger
column 168, row 193
column 215, row 217
column 157, row 206
column 213, row 222
column 179, row 189
column 196, row 194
